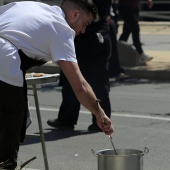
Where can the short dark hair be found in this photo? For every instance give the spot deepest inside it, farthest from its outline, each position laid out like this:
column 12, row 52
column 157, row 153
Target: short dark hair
column 86, row 5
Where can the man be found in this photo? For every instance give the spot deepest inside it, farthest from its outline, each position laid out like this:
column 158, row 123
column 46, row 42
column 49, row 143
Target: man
column 32, row 33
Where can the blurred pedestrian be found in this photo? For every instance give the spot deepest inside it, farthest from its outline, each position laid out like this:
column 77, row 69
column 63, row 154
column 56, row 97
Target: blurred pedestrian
column 115, row 69
column 30, row 39
column 129, row 11
column 93, row 51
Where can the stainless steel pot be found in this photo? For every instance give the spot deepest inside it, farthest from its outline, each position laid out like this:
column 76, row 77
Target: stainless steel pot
column 125, row 159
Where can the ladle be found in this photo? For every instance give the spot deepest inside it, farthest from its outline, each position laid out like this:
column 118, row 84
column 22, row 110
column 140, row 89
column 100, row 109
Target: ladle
column 112, row 144
column 97, row 101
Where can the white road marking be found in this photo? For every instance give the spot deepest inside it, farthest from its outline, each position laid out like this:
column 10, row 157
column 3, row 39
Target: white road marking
column 113, row 114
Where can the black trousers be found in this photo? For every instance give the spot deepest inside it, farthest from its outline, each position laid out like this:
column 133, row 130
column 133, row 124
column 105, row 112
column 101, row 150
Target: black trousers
column 130, row 17
column 12, row 109
column 93, row 59
column 114, row 64
column 13, row 114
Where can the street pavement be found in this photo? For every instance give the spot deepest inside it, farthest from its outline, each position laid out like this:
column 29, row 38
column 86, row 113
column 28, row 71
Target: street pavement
column 140, row 115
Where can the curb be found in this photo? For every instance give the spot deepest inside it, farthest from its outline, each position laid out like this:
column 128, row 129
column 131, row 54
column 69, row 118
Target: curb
column 150, row 23
column 158, row 75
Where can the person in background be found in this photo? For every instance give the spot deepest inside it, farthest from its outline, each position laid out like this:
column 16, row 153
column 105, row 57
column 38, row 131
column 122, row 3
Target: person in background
column 129, row 11
column 115, row 69
column 93, row 51
column 31, row 39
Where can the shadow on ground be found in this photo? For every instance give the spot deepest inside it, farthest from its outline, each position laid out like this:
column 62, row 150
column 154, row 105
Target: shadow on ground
column 55, row 134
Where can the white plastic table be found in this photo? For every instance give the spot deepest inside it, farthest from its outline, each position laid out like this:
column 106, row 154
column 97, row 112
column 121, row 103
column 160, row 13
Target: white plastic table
column 46, row 78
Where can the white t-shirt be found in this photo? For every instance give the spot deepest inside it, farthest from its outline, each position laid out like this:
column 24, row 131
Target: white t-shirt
column 39, row 30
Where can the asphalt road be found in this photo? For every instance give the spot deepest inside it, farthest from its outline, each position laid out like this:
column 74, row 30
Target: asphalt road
column 141, row 117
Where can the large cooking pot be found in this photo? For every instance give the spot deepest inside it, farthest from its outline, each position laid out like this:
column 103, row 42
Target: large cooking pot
column 125, row 159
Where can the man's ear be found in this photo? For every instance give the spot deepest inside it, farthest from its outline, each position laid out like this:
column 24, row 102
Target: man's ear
column 75, row 14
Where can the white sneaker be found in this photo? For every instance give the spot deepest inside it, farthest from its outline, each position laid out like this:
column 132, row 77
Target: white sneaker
column 145, row 58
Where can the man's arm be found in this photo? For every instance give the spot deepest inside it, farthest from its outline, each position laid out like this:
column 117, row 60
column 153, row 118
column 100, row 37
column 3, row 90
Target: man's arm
column 85, row 94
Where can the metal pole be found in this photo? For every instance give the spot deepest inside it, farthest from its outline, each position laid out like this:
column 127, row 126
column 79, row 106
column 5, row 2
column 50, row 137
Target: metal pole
column 40, row 127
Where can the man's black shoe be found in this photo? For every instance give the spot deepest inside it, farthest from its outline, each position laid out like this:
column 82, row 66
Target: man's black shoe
column 95, row 128
column 57, row 124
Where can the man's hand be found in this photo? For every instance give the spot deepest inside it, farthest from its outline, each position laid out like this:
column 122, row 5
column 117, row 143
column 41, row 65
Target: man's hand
column 105, row 124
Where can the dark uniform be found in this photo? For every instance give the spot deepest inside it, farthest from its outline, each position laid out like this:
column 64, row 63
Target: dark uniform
column 93, row 51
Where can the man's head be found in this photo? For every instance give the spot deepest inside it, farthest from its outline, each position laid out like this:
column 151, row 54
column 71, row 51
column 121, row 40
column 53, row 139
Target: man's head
column 79, row 14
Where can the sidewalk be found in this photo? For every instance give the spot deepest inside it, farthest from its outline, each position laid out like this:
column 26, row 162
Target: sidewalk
column 156, row 69
column 159, row 67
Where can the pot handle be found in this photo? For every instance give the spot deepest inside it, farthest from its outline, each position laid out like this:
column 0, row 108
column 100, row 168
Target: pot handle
column 94, row 153
column 146, row 150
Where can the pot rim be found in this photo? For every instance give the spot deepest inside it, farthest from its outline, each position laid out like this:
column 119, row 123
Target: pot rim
column 141, row 153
